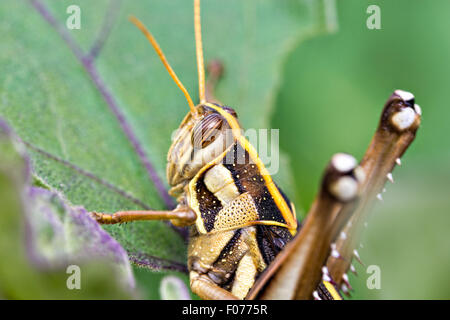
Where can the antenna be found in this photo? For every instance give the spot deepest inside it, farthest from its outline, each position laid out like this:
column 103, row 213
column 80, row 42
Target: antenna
column 158, row 50
column 199, row 52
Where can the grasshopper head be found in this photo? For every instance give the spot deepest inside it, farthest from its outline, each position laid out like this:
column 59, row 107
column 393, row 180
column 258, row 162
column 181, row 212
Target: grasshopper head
column 201, row 137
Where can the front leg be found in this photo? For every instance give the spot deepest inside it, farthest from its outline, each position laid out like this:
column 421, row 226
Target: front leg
column 181, row 216
column 206, row 289
column 215, row 72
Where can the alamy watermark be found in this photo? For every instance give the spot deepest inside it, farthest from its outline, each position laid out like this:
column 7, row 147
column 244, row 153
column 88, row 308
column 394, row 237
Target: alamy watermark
column 74, row 280
column 373, row 22
column 73, row 21
column 374, row 280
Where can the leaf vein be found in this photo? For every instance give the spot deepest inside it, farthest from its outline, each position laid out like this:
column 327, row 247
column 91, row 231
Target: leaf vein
column 109, row 98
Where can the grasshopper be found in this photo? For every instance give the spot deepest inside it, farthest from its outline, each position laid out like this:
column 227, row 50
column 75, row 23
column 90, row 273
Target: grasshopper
column 245, row 241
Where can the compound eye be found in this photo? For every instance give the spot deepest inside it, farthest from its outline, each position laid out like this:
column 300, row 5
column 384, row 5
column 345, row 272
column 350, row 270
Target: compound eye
column 207, row 130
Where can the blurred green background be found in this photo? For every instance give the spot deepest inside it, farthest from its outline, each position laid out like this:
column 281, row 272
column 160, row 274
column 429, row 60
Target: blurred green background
column 284, row 69
column 333, row 90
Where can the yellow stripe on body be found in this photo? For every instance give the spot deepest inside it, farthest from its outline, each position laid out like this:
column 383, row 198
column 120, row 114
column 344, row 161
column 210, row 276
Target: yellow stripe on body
column 332, row 290
column 287, row 214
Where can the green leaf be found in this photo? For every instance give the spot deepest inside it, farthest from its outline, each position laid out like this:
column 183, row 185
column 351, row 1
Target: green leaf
column 37, row 237
column 93, row 130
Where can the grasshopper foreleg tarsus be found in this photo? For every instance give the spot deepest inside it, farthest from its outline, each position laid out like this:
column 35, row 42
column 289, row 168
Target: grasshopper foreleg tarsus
column 181, row 216
column 215, row 70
